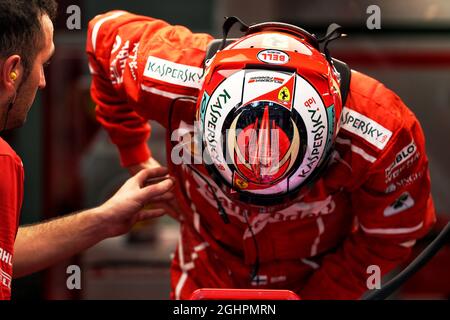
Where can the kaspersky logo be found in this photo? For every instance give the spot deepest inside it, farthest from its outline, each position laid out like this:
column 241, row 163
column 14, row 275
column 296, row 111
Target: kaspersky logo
column 366, row 128
column 174, row 73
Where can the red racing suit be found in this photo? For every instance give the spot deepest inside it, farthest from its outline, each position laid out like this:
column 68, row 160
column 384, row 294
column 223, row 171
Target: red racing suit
column 11, row 196
column 364, row 214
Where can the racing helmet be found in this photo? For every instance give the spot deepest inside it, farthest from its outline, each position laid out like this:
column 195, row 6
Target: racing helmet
column 268, row 110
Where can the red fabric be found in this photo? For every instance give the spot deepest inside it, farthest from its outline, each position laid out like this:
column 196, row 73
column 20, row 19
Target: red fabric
column 11, row 196
column 321, row 245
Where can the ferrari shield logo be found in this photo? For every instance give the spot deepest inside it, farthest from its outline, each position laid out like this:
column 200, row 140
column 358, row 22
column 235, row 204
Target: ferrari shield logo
column 284, row 94
column 241, row 184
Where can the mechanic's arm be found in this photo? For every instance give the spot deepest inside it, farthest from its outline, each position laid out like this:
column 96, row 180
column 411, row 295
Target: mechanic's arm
column 393, row 210
column 42, row 245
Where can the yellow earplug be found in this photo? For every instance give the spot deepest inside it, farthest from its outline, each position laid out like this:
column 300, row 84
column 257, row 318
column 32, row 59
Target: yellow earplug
column 13, row 76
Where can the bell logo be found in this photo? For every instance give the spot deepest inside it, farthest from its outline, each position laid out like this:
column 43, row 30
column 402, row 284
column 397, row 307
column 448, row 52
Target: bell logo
column 284, row 94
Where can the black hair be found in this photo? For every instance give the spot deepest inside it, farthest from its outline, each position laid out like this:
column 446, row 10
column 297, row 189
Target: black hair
column 21, row 29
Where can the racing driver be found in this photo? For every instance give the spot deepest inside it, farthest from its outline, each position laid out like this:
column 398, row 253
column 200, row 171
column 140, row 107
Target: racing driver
column 281, row 185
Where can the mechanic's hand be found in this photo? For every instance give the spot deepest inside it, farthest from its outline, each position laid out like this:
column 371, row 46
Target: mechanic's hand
column 149, row 164
column 170, row 207
column 127, row 206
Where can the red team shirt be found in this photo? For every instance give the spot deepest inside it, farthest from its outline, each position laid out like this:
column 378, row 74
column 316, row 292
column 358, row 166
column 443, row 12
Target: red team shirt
column 369, row 208
column 11, row 196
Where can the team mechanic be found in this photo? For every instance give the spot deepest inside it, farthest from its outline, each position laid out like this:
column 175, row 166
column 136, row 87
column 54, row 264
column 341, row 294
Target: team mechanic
column 26, row 46
column 262, row 213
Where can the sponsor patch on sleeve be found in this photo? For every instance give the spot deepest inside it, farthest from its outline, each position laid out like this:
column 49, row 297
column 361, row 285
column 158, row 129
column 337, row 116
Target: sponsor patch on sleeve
column 366, row 128
column 174, row 73
column 404, row 202
column 408, row 152
column 5, row 261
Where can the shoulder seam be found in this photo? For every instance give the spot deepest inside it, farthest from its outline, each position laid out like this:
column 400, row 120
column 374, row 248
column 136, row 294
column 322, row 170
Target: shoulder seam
column 99, row 23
